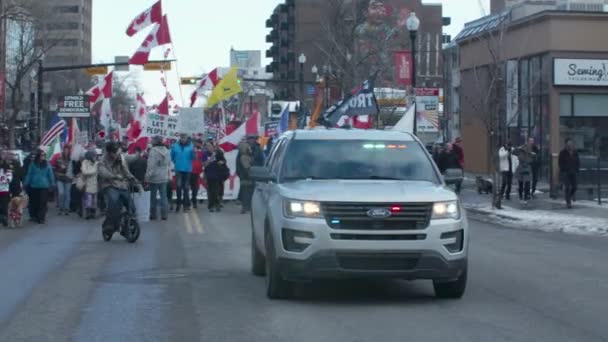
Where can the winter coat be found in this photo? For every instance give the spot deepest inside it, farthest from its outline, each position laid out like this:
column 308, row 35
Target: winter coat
column 524, row 169
column 448, row 160
column 182, row 157
column 89, row 173
column 197, row 163
column 244, row 163
column 217, row 170
column 64, row 170
column 460, row 152
column 138, row 167
column 114, row 173
column 40, row 176
column 503, row 156
column 569, row 163
column 159, row 164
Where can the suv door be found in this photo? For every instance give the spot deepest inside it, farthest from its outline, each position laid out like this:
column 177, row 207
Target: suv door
column 259, row 201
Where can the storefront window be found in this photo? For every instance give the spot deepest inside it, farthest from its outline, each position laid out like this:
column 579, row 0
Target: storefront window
column 524, row 94
column 585, row 132
column 590, row 105
column 565, row 105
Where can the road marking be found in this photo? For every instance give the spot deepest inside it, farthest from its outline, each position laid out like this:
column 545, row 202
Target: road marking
column 188, row 224
column 197, row 223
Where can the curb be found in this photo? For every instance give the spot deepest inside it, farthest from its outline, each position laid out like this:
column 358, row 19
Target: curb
column 487, row 214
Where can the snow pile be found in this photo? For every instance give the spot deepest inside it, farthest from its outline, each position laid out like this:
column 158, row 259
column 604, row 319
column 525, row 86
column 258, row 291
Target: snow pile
column 543, row 220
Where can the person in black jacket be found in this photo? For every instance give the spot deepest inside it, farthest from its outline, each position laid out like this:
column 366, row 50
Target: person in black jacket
column 138, row 165
column 535, row 164
column 569, row 164
column 216, row 173
column 450, row 159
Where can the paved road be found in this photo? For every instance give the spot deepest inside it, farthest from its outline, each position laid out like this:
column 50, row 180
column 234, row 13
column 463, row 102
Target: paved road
column 188, row 279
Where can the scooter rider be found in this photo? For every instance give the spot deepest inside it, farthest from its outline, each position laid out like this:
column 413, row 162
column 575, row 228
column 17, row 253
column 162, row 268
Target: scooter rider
column 114, row 180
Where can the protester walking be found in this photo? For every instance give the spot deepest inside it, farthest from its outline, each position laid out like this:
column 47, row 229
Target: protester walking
column 569, row 164
column 535, row 165
column 138, row 164
column 244, row 164
column 90, row 188
column 524, row 171
column 216, row 173
column 64, row 173
column 508, row 163
column 40, row 179
column 182, row 155
column 197, row 171
column 157, row 176
column 6, row 177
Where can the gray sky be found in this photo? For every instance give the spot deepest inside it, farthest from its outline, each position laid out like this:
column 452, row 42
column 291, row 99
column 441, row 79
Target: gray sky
column 203, row 32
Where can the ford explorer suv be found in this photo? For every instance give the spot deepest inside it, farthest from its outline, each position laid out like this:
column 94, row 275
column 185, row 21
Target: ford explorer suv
column 336, row 203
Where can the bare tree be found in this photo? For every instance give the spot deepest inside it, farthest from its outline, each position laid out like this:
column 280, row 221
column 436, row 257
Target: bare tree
column 28, row 41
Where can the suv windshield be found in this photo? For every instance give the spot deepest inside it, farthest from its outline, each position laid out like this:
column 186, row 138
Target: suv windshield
column 357, row 159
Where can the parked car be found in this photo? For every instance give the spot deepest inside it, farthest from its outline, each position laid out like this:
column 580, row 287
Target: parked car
column 357, row 204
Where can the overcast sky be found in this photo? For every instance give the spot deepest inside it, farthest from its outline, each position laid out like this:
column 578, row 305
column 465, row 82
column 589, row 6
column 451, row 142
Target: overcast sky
column 203, row 32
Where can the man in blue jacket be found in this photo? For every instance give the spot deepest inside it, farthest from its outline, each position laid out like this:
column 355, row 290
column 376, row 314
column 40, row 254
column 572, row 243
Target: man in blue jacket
column 182, row 155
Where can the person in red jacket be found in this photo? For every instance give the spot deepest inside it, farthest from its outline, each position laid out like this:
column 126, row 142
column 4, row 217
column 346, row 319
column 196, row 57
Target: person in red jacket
column 197, row 170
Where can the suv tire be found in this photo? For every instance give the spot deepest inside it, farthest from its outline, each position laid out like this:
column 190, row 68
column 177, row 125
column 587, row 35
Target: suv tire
column 276, row 286
column 258, row 264
column 452, row 289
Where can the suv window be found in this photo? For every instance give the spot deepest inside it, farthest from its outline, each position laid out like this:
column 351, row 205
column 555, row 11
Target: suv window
column 357, row 159
column 274, row 167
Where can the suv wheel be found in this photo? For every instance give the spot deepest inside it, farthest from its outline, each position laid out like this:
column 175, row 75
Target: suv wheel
column 258, row 266
column 276, row 286
column 452, row 289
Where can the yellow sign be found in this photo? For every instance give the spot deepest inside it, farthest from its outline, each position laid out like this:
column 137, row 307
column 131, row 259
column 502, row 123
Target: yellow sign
column 156, row 66
column 99, row 70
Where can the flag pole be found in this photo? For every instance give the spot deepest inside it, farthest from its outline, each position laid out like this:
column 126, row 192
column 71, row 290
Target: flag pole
column 181, row 93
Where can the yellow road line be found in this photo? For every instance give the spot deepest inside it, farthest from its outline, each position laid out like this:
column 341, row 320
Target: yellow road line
column 197, row 223
column 188, row 224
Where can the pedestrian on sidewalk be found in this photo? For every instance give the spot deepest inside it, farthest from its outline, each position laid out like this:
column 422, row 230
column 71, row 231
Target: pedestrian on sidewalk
column 508, row 162
column 524, row 171
column 449, row 159
column 535, row 165
column 182, row 155
column 89, row 169
column 197, row 171
column 40, row 179
column 26, row 166
column 459, row 150
column 244, row 164
column 216, row 173
column 157, row 176
column 569, row 164
column 64, row 173
column 6, row 177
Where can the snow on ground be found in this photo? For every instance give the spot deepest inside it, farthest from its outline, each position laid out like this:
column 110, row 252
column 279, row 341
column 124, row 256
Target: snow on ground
column 543, row 220
column 585, row 203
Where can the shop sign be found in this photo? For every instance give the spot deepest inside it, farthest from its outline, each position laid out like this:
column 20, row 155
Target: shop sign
column 580, row 72
column 74, row 106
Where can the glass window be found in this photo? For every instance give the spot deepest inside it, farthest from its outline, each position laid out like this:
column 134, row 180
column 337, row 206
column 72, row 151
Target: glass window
column 565, row 105
column 63, row 26
column 357, row 159
column 590, row 105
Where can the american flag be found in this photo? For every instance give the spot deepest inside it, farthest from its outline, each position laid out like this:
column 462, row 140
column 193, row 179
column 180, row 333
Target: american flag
column 53, row 132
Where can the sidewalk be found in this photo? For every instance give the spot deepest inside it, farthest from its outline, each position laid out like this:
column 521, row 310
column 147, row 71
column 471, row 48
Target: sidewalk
column 541, row 213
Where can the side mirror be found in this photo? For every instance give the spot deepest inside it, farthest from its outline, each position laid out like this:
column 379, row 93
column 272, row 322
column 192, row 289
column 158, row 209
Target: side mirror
column 261, row 174
column 453, row 176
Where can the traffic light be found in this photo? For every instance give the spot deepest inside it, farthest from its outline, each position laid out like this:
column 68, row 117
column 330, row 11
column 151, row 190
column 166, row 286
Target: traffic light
column 189, row 80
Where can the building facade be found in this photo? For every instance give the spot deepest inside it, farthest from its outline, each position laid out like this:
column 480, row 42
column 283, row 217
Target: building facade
column 562, row 5
column 552, row 87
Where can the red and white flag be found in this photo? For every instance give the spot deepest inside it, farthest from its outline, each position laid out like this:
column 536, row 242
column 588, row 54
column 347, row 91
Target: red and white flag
column 148, row 17
column 140, row 108
column 250, row 127
column 158, row 36
column 207, row 83
column 53, row 132
column 101, row 91
column 163, row 107
column 105, row 117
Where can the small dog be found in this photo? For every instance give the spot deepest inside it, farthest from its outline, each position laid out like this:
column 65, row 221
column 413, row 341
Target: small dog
column 483, row 185
column 15, row 210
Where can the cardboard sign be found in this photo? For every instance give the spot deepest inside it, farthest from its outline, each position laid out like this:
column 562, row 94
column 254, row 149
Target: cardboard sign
column 191, row 121
column 271, row 129
column 165, row 126
column 73, row 106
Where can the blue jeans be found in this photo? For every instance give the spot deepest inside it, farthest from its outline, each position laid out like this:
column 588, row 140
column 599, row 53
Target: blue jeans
column 64, row 190
column 155, row 191
column 182, row 184
column 115, row 200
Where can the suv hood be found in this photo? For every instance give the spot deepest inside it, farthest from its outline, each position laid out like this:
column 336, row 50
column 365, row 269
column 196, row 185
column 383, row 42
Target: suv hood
column 366, row 191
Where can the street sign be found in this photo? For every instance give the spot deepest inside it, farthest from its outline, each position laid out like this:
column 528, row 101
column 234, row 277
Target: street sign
column 121, row 60
column 73, row 106
column 98, row 70
column 156, row 66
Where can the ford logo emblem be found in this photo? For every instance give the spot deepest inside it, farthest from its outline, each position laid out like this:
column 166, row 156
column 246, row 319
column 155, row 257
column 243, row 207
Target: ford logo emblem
column 378, row 213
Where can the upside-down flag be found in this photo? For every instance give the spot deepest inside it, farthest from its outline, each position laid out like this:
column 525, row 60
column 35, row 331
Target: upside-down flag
column 148, row 17
column 158, row 36
column 207, row 83
column 226, row 88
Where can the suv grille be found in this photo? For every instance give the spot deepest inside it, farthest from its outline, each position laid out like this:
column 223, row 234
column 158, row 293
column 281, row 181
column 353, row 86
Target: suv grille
column 353, row 216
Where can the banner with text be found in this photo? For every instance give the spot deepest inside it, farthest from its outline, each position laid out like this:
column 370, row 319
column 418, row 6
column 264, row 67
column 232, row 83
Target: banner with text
column 403, row 68
column 166, row 126
column 427, row 110
column 191, row 121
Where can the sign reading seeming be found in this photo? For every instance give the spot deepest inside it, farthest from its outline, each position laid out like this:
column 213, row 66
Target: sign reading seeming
column 580, row 72
column 73, row 106
column 165, row 126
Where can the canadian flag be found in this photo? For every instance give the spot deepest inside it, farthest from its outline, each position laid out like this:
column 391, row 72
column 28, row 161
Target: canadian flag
column 137, row 125
column 158, row 36
column 163, row 107
column 146, row 18
column 250, row 127
column 101, row 91
column 207, row 83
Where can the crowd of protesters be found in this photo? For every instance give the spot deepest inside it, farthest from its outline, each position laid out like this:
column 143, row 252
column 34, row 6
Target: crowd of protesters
column 163, row 168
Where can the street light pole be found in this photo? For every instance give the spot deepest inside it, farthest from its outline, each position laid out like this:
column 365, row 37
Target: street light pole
column 40, row 89
column 302, row 60
column 413, row 24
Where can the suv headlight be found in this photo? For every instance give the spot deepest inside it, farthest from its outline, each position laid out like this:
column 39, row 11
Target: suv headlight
column 295, row 208
column 446, row 210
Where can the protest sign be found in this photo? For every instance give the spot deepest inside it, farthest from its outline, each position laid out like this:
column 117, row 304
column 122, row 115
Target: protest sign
column 191, row 121
column 165, row 126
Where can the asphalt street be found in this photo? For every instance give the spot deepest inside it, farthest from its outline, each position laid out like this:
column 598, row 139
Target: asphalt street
column 188, row 279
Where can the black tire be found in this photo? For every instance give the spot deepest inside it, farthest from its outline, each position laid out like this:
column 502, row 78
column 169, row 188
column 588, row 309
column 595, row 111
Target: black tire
column 453, row 289
column 258, row 263
column 133, row 231
column 276, row 286
column 107, row 236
